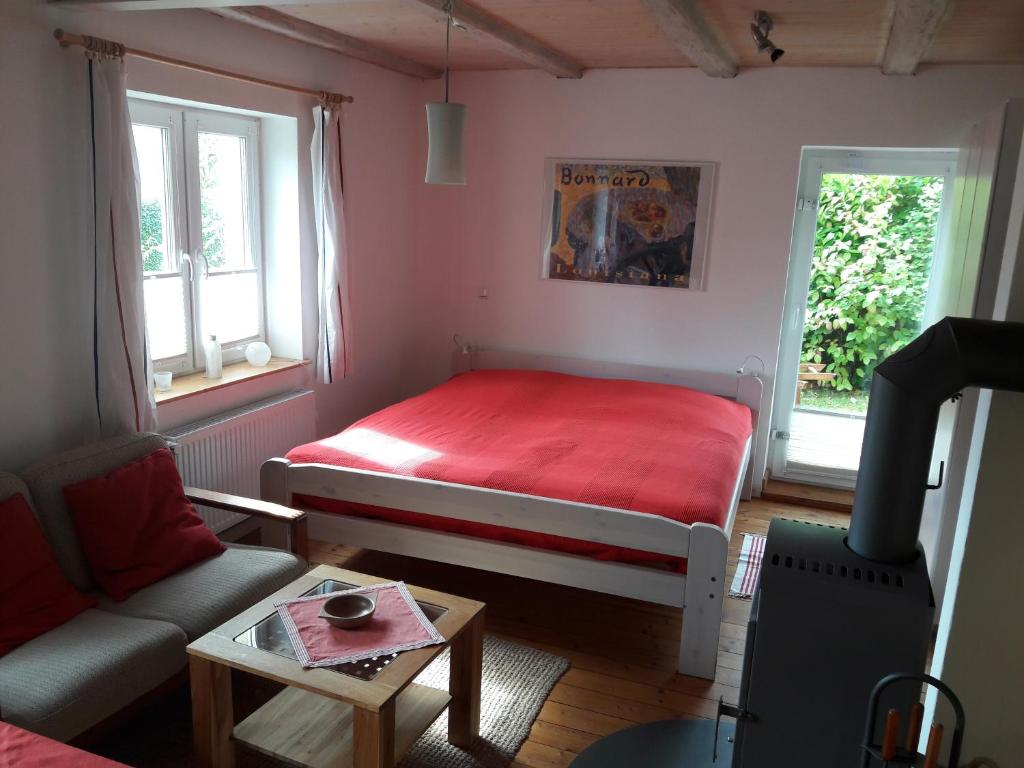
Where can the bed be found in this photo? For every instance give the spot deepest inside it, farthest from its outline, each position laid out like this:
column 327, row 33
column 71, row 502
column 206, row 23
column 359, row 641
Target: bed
column 616, row 478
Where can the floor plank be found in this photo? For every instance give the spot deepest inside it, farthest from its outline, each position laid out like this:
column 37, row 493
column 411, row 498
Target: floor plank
column 817, row 496
column 622, row 652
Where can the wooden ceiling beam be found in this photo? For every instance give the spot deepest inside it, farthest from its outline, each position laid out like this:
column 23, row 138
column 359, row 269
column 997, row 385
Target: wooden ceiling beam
column 499, row 34
column 686, row 26
column 914, row 24
column 306, row 32
column 491, row 30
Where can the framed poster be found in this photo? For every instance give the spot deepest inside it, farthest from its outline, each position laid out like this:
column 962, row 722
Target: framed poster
column 630, row 223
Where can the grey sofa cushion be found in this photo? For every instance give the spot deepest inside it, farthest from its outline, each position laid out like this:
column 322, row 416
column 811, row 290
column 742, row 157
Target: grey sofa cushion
column 67, row 680
column 205, row 595
column 47, row 479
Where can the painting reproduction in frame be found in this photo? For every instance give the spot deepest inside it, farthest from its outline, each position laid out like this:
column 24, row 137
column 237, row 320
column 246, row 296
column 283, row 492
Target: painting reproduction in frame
column 627, row 223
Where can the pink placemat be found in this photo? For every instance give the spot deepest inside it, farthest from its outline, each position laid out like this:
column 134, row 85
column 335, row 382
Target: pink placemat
column 398, row 624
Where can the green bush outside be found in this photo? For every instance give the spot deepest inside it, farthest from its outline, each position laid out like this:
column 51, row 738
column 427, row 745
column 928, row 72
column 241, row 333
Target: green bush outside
column 151, row 221
column 152, row 230
column 869, row 276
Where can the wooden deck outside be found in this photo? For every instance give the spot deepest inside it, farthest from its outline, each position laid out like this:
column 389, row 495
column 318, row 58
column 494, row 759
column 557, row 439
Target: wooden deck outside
column 623, row 652
column 822, row 439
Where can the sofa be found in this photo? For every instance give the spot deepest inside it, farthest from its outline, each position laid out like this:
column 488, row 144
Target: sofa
column 69, row 679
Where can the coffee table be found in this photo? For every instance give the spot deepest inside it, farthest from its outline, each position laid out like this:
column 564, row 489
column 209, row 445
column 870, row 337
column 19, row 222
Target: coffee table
column 365, row 715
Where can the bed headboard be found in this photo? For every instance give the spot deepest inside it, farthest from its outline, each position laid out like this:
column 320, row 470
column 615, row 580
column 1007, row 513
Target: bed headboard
column 744, row 388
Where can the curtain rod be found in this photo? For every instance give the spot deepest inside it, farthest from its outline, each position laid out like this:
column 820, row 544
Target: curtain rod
column 109, row 48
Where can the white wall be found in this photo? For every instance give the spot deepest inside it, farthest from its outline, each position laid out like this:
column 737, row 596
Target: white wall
column 982, row 197
column 420, row 254
column 46, row 381
column 45, row 213
column 981, row 629
column 489, row 232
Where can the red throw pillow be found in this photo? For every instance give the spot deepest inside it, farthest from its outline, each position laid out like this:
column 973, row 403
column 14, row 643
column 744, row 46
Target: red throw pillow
column 136, row 526
column 35, row 595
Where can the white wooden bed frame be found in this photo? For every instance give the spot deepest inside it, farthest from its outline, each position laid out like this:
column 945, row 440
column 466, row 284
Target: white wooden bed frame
column 700, row 592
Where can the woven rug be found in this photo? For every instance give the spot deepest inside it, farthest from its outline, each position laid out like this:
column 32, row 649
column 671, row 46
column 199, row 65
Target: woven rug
column 516, row 682
column 748, row 568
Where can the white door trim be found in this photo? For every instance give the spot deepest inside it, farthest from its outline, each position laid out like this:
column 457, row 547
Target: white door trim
column 814, row 163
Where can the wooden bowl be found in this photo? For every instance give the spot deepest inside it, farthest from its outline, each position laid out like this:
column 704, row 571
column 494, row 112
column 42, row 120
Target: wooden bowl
column 348, row 611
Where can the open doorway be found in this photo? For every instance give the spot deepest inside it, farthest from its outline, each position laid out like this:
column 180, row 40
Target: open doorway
column 867, row 239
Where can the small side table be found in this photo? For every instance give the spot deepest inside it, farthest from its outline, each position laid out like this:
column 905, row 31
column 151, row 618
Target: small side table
column 366, row 714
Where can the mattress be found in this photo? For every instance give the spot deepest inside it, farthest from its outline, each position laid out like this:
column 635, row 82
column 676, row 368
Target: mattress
column 653, row 448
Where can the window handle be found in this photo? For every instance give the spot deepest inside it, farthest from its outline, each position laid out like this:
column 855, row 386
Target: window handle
column 187, row 260
column 202, row 264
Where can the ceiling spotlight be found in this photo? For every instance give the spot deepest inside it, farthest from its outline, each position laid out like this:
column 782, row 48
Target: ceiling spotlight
column 759, row 30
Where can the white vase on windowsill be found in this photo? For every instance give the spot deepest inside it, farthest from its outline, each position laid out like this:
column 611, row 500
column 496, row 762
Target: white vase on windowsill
column 214, row 358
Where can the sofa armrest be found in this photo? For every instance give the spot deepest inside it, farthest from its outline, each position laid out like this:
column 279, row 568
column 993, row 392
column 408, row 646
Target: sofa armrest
column 295, row 519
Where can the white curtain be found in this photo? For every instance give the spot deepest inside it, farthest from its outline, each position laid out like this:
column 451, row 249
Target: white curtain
column 334, row 337
column 123, row 370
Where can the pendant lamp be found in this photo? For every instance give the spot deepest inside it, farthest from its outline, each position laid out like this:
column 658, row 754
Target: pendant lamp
column 445, row 122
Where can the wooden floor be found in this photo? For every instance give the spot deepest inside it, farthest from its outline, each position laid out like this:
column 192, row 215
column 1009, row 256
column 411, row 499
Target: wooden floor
column 623, row 652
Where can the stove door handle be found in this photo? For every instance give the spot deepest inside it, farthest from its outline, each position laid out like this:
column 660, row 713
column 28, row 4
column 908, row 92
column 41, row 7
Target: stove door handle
column 729, row 710
column 942, row 469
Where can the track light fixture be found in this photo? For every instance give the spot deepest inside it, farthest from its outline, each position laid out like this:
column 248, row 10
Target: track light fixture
column 760, row 29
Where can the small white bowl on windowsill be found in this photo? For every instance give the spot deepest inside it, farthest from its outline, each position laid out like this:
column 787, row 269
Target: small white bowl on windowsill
column 258, row 354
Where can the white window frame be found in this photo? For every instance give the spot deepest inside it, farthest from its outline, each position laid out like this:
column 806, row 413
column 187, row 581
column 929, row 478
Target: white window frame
column 815, row 163
column 185, row 224
column 169, row 119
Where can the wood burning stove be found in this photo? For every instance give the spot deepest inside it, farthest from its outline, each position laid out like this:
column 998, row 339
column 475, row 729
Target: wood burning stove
column 836, row 610
column 825, row 625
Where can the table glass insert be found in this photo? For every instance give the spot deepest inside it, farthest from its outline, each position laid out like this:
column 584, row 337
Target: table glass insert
column 270, row 635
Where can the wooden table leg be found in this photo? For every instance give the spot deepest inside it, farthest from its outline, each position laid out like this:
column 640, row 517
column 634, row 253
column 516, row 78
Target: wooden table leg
column 212, row 713
column 467, row 655
column 373, row 736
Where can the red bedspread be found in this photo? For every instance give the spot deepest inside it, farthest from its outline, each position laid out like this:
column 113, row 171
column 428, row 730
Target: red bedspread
column 653, row 448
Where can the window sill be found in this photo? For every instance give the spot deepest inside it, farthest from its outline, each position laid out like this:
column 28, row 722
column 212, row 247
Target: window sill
column 197, row 383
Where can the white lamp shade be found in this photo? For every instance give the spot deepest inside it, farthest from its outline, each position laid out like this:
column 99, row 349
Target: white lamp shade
column 445, row 122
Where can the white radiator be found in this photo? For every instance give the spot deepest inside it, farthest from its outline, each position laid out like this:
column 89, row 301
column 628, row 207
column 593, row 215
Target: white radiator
column 224, row 452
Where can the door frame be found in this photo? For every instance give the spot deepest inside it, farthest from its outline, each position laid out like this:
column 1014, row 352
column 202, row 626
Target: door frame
column 815, row 162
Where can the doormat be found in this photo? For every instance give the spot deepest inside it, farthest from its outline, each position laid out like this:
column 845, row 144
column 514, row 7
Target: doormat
column 516, row 682
column 748, row 569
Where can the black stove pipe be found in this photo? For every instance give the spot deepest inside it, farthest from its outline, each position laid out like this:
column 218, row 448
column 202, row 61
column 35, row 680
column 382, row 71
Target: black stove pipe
column 906, row 392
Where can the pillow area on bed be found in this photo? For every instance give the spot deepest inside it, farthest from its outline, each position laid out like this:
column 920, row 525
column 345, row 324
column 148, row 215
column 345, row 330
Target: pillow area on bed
column 136, row 525
column 35, row 595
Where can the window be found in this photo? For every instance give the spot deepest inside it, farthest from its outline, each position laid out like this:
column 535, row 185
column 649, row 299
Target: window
column 200, row 230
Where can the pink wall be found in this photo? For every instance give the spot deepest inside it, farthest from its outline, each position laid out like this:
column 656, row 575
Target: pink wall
column 420, row 254
column 45, row 325
column 489, row 232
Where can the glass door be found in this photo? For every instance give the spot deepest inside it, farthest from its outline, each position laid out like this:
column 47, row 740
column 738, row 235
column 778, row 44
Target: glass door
column 866, row 243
